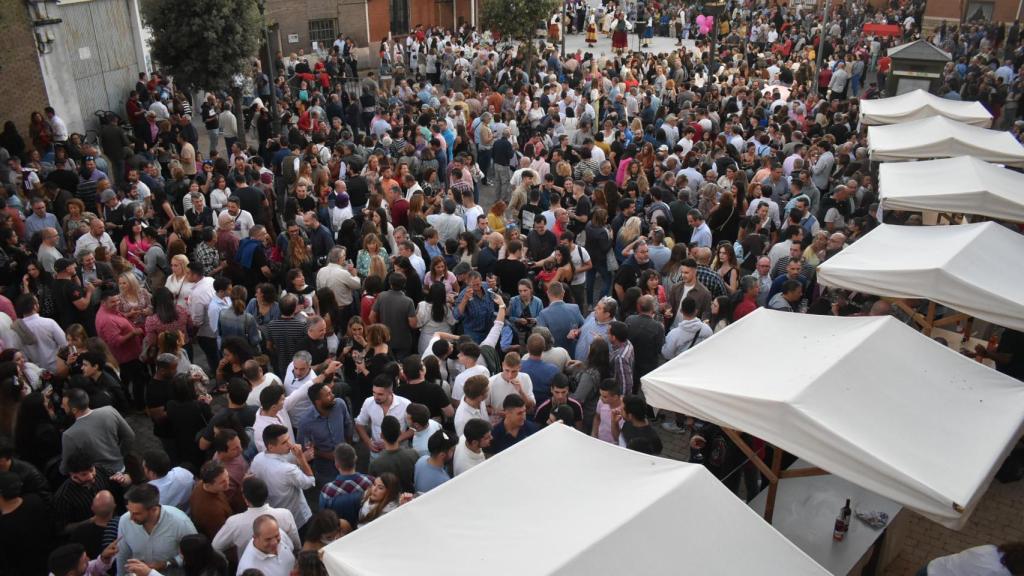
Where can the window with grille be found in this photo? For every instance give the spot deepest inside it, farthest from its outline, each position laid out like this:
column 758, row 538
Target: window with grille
column 399, row 17
column 323, row 32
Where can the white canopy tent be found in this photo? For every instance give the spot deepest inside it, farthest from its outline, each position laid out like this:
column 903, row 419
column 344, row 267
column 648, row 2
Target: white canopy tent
column 561, row 502
column 962, row 185
column 969, row 268
column 920, row 104
column 865, row 398
column 939, row 137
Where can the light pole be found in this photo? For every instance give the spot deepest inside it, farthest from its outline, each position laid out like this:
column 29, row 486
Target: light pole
column 275, row 116
column 715, row 10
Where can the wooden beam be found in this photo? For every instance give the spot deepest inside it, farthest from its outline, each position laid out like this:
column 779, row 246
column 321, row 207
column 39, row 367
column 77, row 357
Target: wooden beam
column 930, row 321
column 802, row 472
column 749, row 452
column 952, row 319
column 773, row 490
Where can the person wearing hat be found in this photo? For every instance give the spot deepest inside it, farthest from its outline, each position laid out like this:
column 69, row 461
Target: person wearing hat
column 430, row 471
column 73, row 301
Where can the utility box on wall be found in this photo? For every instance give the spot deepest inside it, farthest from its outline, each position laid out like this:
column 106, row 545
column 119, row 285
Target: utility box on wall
column 916, row 65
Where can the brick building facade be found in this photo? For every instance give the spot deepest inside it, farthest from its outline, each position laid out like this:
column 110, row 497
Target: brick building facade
column 22, row 90
column 79, row 56
column 302, row 22
column 937, row 11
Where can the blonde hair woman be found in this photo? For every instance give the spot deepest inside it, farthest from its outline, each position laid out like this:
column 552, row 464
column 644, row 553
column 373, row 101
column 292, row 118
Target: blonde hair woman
column 178, row 282
column 629, row 232
column 180, row 230
column 135, row 301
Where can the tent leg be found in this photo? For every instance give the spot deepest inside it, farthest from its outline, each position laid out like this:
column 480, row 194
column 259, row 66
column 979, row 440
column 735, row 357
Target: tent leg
column 773, row 489
column 930, row 320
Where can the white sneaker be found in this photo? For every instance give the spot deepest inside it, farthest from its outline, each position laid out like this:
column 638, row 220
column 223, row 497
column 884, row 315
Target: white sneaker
column 671, row 426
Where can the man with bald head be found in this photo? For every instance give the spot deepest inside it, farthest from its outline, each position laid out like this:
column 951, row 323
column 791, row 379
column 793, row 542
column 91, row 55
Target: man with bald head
column 489, row 254
column 836, row 242
column 97, row 236
column 99, row 530
column 270, row 550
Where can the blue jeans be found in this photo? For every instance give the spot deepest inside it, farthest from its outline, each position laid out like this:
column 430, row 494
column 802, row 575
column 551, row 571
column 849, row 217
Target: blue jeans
column 606, row 281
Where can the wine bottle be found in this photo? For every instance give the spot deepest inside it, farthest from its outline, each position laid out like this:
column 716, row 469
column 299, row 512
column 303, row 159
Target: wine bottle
column 842, row 525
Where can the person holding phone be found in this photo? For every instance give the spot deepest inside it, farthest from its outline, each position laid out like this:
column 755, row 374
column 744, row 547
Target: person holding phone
column 475, row 307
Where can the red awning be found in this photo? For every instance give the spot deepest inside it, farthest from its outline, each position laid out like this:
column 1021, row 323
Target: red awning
column 882, row 30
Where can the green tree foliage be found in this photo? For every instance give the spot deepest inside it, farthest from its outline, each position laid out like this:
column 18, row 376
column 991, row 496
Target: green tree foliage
column 519, row 19
column 202, row 43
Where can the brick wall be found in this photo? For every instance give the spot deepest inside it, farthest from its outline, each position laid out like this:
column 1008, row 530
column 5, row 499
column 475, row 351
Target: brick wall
column 951, row 10
column 21, row 83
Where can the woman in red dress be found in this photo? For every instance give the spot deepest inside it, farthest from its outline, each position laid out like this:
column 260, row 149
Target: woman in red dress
column 620, row 28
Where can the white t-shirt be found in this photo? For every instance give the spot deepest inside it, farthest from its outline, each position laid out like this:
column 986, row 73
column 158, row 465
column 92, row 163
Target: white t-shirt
column 466, row 458
column 460, row 380
column 464, row 413
column 579, row 256
column 501, row 388
column 420, row 439
column 471, row 216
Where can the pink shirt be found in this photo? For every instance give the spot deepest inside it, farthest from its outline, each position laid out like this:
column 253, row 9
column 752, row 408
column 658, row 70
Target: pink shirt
column 116, row 331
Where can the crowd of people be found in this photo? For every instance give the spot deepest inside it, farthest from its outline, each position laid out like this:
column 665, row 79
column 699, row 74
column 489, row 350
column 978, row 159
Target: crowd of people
column 423, row 268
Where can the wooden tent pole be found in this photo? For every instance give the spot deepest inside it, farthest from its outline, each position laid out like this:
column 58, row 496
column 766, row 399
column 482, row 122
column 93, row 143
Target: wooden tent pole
column 773, row 489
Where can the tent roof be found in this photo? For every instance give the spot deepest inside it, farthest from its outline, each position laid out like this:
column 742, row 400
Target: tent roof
column 920, row 104
column 919, row 50
column 868, row 399
column 939, row 137
column 964, row 185
column 564, row 503
column 968, row 268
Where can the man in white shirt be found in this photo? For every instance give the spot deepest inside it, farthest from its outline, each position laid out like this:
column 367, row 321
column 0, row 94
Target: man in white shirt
column 510, row 381
column 271, row 413
column 175, row 484
column 382, row 403
column 285, row 468
column 470, row 450
column 258, row 380
column 300, row 373
column 97, row 236
column 242, row 218
column 237, row 530
column 474, row 403
column 297, row 403
column 203, row 292
column 57, row 125
column 270, row 551
column 468, row 359
column 341, row 280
